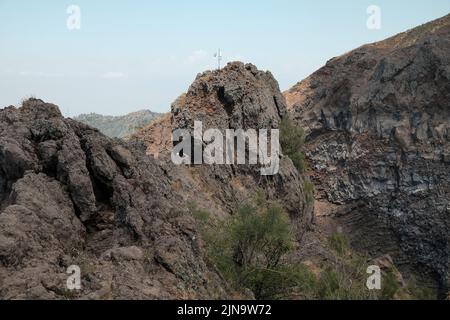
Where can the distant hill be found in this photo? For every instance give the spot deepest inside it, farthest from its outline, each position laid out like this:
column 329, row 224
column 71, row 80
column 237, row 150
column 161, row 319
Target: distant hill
column 120, row 126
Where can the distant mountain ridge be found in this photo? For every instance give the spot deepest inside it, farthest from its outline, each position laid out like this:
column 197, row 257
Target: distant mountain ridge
column 119, row 126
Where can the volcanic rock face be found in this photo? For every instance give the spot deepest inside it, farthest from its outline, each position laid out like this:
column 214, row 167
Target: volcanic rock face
column 378, row 125
column 157, row 136
column 237, row 97
column 71, row 196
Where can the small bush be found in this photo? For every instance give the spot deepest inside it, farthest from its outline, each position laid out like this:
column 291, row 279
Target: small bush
column 390, row 286
column 292, row 139
column 339, row 243
column 309, row 191
column 201, row 216
column 330, row 285
column 346, row 278
column 249, row 248
column 340, row 284
column 420, row 293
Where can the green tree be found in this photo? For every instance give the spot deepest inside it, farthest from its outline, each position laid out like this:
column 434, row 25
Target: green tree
column 249, row 249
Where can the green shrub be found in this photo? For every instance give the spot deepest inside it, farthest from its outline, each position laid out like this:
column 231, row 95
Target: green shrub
column 420, row 292
column 201, row 216
column 292, row 139
column 342, row 284
column 283, row 282
column 248, row 249
column 339, row 243
column 346, row 278
column 309, row 191
column 389, row 285
column 329, row 285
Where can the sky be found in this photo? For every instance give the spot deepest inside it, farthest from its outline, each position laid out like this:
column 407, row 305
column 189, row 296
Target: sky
column 134, row 54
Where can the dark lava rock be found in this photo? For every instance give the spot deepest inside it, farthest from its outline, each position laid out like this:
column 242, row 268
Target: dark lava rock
column 239, row 96
column 378, row 124
column 71, row 196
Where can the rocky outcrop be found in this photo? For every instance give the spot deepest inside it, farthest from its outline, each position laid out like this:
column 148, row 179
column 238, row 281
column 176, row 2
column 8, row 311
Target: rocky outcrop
column 237, row 97
column 71, row 196
column 378, row 125
column 157, row 136
column 120, row 126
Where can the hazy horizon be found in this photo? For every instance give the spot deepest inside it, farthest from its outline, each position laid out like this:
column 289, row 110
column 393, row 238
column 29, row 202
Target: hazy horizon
column 129, row 56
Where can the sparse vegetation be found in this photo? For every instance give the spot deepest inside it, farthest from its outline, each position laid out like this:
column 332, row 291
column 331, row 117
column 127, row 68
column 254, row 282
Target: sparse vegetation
column 292, row 139
column 250, row 247
column 336, row 284
column 347, row 278
column 251, row 250
column 309, row 191
column 390, row 286
column 339, row 243
column 420, row 292
column 200, row 215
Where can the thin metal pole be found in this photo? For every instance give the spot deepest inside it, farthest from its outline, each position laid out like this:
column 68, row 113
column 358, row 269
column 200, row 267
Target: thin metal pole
column 218, row 54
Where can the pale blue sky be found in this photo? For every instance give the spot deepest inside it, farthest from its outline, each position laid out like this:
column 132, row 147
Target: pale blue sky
column 138, row 54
